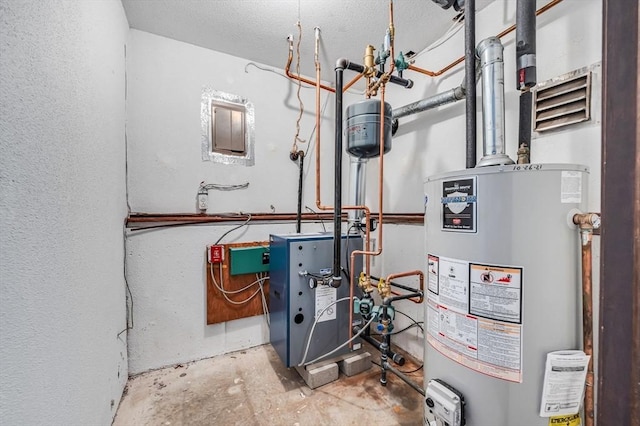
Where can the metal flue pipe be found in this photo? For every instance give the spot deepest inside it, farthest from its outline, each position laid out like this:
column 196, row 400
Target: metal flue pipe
column 491, row 61
column 357, row 189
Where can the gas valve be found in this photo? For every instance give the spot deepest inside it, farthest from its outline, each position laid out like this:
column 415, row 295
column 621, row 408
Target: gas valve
column 384, row 288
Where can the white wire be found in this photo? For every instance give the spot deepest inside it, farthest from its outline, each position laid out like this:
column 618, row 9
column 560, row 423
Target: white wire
column 313, row 327
column 450, row 32
column 265, row 308
column 345, row 343
column 224, row 292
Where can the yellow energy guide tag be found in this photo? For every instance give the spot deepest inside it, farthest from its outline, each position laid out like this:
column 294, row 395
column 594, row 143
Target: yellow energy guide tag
column 570, row 420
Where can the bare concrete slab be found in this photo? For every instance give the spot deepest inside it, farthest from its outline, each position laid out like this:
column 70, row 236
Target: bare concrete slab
column 252, row 387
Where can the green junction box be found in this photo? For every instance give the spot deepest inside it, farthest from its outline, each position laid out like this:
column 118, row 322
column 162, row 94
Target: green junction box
column 249, row 260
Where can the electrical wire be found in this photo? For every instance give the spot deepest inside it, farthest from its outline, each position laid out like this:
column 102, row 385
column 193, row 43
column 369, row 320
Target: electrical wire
column 224, row 292
column 265, row 307
column 313, row 327
column 402, row 371
column 415, row 323
column 324, row 228
column 246, row 222
column 345, row 343
column 222, row 187
column 296, row 139
column 450, row 32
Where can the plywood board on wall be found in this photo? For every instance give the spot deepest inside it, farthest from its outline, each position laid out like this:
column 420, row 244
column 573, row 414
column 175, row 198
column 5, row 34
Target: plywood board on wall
column 218, row 308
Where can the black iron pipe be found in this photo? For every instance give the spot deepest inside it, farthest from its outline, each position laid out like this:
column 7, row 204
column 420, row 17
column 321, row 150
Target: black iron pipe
column 396, row 357
column 389, row 300
column 401, row 375
column 346, row 64
column 470, row 81
column 394, row 284
column 300, row 178
column 524, row 127
column 337, row 202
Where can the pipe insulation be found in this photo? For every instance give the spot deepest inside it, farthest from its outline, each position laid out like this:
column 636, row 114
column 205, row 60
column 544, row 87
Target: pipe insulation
column 490, row 51
column 526, row 44
column 526, row 72
column 470, row 86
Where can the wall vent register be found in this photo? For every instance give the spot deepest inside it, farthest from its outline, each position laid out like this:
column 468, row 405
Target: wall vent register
column 563, row 101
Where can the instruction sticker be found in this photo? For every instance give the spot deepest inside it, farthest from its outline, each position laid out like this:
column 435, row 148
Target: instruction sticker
column 433, row 267
column 459, row 199
column 325, row 296
column 475, row 320
column 565, row 376
column 496, row 293
column 571, row 187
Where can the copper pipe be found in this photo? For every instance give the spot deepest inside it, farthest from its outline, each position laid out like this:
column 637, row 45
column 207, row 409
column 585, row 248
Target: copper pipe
column 368, row 251
column 352, row 82
column 587, row 222
column 461, row 59
column 319, row 204
column 141, row 218
column 292, row 76
column 287, row 71
column 409, row 274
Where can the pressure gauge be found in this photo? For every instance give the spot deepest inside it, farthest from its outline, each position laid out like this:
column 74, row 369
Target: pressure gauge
column 313, row 283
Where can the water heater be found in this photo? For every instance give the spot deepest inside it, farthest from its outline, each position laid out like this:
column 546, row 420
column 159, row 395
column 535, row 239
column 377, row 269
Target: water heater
column 503, row 288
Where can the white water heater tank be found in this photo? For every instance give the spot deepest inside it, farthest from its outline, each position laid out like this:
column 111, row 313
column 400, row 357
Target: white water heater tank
column 503, row 284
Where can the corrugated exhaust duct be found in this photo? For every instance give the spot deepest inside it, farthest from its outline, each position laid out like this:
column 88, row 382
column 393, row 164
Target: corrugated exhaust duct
column 490, row 51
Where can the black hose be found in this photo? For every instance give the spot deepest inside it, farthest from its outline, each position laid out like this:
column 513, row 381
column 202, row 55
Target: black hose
column 470, row 81
column 300, row 177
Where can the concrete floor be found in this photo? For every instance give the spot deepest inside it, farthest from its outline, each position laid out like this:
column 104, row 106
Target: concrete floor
column 252, row 387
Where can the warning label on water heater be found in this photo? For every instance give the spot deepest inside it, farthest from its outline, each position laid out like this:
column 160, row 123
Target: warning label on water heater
column 476, row 319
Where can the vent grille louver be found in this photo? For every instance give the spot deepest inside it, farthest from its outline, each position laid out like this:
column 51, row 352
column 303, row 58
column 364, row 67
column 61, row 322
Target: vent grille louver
column 562, row 102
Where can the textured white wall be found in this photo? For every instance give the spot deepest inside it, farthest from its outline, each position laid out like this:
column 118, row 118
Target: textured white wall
column 166, row 267
column 62, row 204
column 568, row 38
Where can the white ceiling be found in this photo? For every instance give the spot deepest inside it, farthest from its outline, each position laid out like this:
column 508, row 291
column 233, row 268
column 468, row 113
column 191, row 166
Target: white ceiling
column 257, row 29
